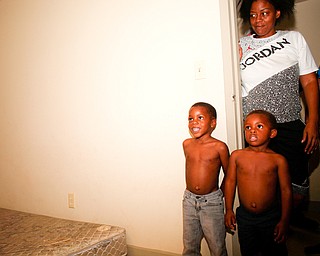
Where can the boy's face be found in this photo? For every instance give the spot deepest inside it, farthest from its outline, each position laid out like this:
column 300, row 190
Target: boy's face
column 200, row 122
column 258, row 130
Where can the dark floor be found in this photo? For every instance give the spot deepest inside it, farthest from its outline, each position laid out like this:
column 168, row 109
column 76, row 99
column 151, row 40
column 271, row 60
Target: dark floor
column 299, row 238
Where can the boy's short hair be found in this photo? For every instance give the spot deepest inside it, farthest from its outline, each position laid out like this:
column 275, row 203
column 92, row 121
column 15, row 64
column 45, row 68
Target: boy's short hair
column 211, row 110
column 271, row 118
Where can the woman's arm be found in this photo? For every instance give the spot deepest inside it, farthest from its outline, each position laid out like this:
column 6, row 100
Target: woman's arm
column 311, row 91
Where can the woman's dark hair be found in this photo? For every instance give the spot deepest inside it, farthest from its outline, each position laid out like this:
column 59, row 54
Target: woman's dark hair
column 286, row 8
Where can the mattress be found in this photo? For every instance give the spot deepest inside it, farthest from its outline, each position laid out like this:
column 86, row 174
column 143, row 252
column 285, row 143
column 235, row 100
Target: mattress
column 31, row 234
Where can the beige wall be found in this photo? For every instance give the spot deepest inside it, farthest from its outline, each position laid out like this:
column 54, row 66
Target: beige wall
column 94, row 98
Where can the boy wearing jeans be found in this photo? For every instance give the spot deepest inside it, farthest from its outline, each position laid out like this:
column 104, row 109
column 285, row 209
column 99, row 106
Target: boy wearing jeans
column 203, row 207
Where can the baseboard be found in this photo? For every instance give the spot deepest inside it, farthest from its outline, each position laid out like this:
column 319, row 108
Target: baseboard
column 138, row 251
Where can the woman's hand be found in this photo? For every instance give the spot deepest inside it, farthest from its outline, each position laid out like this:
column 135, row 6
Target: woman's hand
column 310, row 88
column 311, row 137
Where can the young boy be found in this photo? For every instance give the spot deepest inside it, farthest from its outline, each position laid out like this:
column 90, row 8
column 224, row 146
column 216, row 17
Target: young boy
column 260, row 174
column 203, row 208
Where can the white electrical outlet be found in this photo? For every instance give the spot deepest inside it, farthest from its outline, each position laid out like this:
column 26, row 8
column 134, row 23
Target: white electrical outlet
column 71, row 201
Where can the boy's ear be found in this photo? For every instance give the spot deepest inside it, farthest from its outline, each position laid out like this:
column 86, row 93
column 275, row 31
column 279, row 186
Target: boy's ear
column 274, row 133
column 213, row 123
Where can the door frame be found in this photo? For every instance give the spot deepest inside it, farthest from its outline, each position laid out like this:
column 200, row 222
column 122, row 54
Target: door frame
column 233, row 106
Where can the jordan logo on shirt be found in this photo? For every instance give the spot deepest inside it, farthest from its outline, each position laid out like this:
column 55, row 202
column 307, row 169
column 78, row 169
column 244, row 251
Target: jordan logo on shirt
column 264, row 53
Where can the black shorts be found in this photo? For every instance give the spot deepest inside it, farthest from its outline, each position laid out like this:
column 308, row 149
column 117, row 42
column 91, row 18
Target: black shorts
column 256, row 233
column 288, row 143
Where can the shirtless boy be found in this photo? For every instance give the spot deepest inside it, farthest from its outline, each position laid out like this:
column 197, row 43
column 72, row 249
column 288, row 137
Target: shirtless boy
column 264, row 190
column 203, row 207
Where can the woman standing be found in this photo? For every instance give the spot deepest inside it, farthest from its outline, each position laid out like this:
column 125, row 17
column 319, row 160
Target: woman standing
column 273, row 63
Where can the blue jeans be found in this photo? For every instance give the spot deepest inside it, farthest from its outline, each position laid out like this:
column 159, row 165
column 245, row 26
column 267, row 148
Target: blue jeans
column 203, row 217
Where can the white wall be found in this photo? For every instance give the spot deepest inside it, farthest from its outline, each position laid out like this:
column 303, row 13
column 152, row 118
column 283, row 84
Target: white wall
column 94, row 97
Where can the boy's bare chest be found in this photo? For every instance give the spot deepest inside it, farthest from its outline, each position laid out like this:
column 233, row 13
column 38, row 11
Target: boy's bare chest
column 258, row 164
column 204, row 153
column 257, row 168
